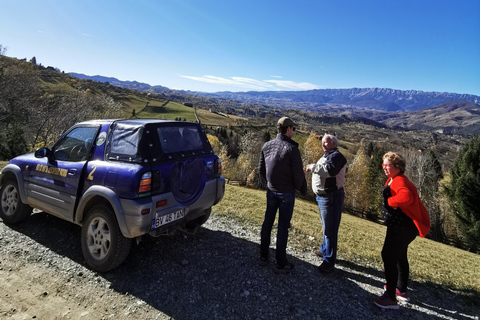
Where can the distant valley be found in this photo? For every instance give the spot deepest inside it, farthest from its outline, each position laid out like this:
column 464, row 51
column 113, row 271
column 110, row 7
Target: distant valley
column 449, row 113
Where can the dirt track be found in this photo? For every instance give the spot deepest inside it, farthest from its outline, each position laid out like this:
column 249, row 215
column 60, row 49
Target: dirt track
column 211, row 275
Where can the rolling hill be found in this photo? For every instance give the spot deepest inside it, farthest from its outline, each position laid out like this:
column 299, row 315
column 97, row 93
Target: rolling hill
column 458, row 117
column 444, row 112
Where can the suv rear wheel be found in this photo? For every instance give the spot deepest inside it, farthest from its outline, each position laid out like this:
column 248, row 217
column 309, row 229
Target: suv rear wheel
column 103, row 244
column 12, row 209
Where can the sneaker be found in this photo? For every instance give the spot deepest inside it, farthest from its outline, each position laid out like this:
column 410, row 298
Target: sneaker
column 263, row 261
column 285, row 269
column 326, row 267
column 385, row 302
column 402, row 296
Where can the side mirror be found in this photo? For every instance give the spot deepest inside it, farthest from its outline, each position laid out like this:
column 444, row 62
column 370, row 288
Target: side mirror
column 42, row 152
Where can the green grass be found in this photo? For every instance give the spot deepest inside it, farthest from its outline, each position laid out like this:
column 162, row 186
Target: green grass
column 360, row 241
column 170, row 111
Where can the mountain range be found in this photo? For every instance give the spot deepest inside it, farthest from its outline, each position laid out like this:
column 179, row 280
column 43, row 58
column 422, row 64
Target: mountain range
column 450, row 113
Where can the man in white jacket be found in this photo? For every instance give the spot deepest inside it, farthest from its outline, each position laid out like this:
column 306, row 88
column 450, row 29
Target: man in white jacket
column 328, row 178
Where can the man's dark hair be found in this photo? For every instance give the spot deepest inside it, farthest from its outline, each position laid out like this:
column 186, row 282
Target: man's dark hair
column 282, row 130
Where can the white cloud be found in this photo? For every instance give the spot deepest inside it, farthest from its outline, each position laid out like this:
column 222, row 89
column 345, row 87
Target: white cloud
column 293, row 85
column 253, row 84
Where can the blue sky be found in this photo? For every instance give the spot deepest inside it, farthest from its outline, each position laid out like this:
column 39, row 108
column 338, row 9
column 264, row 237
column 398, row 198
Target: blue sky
column 219, row 45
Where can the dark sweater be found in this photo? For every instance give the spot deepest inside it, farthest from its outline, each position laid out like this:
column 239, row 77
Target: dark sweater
column 281, row 165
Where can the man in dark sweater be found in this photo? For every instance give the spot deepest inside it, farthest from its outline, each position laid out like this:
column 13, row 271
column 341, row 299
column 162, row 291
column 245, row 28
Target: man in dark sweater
column 281, row 166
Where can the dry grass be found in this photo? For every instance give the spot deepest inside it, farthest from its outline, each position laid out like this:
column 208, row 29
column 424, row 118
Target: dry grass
column 360, row 241
column 213, row 119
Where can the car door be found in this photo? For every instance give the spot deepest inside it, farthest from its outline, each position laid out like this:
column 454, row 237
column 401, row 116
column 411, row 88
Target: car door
column 56, row 180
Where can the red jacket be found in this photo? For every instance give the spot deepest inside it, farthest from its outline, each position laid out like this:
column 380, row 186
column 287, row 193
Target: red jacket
column 405, row 196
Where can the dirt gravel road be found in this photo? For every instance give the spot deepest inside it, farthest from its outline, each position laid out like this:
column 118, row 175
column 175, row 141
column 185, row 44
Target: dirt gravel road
column 213, row 274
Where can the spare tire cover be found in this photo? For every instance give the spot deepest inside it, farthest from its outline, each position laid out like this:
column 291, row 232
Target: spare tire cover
column 188, row 179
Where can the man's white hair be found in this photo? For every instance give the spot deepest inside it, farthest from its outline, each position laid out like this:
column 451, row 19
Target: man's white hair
column 332, row 137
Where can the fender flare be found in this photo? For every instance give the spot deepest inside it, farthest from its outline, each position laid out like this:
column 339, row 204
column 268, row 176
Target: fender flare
column 112, row 199
column 17, row 172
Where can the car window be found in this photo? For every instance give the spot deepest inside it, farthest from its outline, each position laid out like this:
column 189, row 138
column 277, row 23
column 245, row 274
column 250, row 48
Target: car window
column 76, row 145
column 125, row 142
column 179, row 139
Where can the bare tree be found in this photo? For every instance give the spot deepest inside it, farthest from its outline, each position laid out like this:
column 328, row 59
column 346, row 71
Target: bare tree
column 3, row 50
column 19, row 92
column 31, row 118
column 356, row 188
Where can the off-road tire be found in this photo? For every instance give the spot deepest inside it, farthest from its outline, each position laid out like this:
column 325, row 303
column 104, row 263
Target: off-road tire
column 12, row 209
column 103, row 245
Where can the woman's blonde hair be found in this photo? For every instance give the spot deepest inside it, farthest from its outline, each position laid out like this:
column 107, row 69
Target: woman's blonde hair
column 397, row 160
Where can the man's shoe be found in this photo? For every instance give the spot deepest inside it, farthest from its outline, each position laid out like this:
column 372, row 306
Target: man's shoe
column 326, row 267
column 263, row 261
column 402, row 296
column 385, row 302
column 285, row 269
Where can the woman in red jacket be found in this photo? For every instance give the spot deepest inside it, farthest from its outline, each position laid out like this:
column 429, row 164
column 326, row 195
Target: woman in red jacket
column 405, row 217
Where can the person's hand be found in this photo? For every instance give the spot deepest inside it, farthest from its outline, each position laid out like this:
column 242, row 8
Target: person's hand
column 308, row 168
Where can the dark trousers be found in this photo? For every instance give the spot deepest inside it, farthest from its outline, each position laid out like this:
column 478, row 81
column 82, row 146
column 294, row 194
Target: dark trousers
column 284, row 203
column 394, row 255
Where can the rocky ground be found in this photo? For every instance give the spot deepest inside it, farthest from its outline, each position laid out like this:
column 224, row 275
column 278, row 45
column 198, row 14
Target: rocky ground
column 213, row 274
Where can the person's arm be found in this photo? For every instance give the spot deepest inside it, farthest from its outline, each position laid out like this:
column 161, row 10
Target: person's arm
column 329, row 166
column 297, row 170
column 262, row 170
column 401, row 194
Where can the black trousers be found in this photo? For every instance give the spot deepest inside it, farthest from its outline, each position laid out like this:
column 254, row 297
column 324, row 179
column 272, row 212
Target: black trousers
column 394, row 255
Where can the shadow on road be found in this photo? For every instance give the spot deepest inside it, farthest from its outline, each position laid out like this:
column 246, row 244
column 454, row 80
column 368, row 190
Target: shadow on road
column 215, row 275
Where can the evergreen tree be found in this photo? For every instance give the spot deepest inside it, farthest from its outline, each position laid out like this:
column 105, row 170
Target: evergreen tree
column 464, row 192
column 375, row 182
column 266, row 136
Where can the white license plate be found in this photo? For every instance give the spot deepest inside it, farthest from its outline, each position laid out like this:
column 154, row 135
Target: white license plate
column 167, row 218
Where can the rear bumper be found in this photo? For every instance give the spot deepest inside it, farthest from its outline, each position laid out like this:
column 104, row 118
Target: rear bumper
column 135, row 224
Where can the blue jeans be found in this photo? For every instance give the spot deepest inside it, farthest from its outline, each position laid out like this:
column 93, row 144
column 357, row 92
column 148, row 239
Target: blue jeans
column 284, row 202
column 330, row 207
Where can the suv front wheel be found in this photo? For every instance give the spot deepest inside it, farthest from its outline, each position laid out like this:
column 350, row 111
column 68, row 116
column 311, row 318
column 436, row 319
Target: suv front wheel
column 12, row 209
column 103, row 245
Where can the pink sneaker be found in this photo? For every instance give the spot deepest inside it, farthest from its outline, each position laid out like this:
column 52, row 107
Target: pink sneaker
column 402, row 296
column 385, row 302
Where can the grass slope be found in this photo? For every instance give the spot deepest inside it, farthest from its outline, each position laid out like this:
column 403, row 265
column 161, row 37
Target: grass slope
column 361, row 241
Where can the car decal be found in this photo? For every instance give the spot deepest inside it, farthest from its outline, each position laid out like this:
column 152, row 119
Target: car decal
column 90, row 175
column 52, row 170
column 101, row 138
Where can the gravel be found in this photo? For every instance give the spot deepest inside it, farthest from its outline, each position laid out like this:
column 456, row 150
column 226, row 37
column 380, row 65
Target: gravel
column 213, row 274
